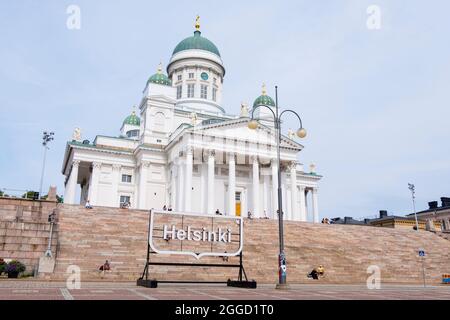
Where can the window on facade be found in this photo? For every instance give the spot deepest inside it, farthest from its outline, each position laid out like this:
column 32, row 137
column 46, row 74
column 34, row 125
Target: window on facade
column 179, row 77
column 190, row 90
column 179, row 91
column 125, row 199
column 132, row 133
column 191, row 75
column 126, row 178
column 214, row 94
column 204, row 91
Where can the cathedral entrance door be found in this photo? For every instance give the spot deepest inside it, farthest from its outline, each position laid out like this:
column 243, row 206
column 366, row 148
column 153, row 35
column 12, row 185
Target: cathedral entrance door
column 238, row 204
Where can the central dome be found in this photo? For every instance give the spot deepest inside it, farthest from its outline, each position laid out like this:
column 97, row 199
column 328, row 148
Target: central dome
column 196, row 42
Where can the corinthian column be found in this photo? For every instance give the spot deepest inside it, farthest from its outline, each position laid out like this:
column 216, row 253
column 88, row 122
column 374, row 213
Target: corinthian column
column 93, row 187
column 315, row 205
column 188, row 181
column 295, row 210
column 274, row 188
column 143, row 185
column 211, row 194
column 231, row 185
column 71, row 185
column 256, row 212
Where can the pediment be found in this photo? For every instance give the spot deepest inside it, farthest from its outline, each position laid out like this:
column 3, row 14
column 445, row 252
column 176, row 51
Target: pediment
column 238, row 129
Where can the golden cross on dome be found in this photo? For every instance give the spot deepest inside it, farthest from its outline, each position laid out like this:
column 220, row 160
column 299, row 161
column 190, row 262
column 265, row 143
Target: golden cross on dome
column 197, row 23
column 264, row 91
column 160, row 67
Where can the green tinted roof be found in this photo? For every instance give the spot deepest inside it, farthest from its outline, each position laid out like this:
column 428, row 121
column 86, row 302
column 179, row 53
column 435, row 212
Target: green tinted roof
column 132, row 119
column 264, row 99
column 160, row 78
column 196, row 42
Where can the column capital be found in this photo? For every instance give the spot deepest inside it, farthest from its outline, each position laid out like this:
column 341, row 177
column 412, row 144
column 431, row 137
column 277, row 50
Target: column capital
column 254, row 159
column 293, row 165
column 76, row 163
column 145, row 164
column 211, row 153
column 189, row 150
column 96, row 165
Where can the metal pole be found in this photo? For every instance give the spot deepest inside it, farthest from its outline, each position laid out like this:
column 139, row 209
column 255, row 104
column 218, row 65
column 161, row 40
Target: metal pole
column 413, row 195
column 423, row 271
column 42, row 172
column 281, row 255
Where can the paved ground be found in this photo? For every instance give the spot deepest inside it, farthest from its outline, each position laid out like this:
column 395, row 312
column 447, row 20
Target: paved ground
column 30, row 289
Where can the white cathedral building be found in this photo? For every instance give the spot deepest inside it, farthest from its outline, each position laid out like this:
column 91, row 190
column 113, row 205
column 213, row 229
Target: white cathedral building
column 182, row 150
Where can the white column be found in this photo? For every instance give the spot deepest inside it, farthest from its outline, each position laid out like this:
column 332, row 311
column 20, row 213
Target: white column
column 71, row 185
column 211, row 174
column 256, row 212
column 315, row 205
column 188, row 181
column 302, row 208
column 173, row 188
column 204, row 188
column 115, row 184
column 143, row 185
column 274, row 189
column 93, row 187
column 266, row 196
column 295, row 214
column 180, row 193
column 284, row 197
column 231, row 185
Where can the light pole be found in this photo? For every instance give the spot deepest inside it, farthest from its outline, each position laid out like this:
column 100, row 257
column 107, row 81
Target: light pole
column 46, row 138
column 413, row 195
column 301, row 132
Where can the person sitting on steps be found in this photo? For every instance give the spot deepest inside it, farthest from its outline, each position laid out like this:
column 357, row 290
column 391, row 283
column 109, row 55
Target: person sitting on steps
column 316, row 272
column 105, row 267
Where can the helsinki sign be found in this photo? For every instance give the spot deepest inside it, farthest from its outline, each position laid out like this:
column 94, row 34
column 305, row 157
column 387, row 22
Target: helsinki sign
column 221, row 235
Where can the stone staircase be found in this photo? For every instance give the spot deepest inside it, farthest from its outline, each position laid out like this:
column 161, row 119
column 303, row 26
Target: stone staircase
column 89, row 237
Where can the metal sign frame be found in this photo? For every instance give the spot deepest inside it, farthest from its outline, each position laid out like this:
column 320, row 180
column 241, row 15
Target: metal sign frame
column 152, row 250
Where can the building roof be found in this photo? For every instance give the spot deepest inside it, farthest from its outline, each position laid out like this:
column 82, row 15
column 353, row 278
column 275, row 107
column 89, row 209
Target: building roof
column 264, row 99
column 159, row 78
column 132, row 119
column 196, row 42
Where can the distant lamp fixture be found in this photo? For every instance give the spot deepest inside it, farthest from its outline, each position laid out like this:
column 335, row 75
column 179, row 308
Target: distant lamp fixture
column 46, row 138
column 253, row 124
column 301, row 133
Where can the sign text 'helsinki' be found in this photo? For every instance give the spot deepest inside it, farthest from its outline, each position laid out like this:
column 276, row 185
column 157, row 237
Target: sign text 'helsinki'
column 219, row 235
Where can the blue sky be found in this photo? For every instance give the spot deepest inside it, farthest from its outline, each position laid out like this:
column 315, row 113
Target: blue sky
column 375, row 102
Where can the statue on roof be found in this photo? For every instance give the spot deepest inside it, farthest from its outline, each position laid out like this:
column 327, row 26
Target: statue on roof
column 193, row 118
column 76, row 136
column 244, row 110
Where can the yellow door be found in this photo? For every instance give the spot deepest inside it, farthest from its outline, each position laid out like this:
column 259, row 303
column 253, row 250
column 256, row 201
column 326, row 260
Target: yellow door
column 238, row 209
column 238, row 204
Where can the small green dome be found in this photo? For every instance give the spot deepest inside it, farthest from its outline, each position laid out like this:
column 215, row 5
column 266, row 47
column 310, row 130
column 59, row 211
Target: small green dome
column 196, row 42
column 264, row 99
column 160, row 78
column 132, row 119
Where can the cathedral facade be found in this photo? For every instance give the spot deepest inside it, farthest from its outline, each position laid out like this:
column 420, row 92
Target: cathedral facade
column 181, row 150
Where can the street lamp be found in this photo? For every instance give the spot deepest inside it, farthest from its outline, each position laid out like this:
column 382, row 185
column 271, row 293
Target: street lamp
column 412, row 188
column 301, row 133
column 46, row 138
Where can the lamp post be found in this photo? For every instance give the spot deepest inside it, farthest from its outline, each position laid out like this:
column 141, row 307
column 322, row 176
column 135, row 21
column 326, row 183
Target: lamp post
column 301, row 132
column 413, row 195
column 46, row 138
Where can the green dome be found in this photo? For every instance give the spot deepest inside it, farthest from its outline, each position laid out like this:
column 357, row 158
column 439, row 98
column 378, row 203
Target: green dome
column 132, row 119
column 264, row 99
column 160, row 78
column 196, row 42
